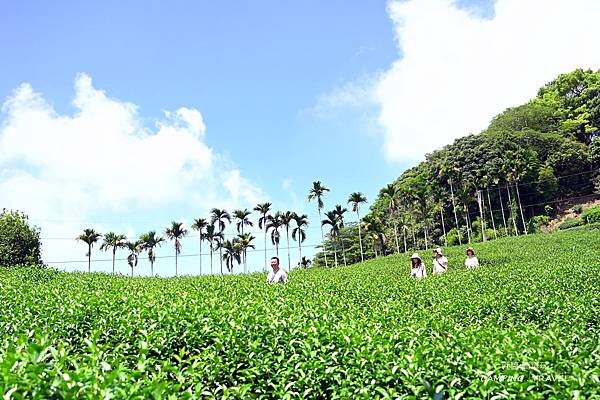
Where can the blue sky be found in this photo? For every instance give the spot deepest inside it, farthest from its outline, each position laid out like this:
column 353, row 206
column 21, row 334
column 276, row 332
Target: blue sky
column 288, row 92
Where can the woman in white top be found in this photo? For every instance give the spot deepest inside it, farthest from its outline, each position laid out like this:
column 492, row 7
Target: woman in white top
column 417, row 268
column 440, row 263
column 471, row 262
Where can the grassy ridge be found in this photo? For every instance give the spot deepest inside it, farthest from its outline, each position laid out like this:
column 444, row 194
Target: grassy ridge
column 527, row 322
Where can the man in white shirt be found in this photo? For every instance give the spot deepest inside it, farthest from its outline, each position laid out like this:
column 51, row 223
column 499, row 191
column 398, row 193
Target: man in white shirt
column 276, row 275
column 440, row 263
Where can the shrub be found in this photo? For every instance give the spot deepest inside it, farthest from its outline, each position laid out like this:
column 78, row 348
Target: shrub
column 591, row 215
column 549, row 211
column 537, row 222
column 452, row 237
column 570, row 223
column 19, row 243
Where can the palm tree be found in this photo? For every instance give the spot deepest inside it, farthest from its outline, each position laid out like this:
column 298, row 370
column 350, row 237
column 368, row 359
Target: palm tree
column 89, row 236
column 135, row 248
column 242, row 219
column 390, row 193
column 176, row 232
column 232, row 253
column 211, row 236
column 356, row 199
column 317, row 192
column 299, row 234
column 114, row 241
column 304, row 262
column 274, row 223
column 374, row 231
column 263, row 209
column 245, row 241
column 220, row 216
column 339, row 211
column 200, row 225
column 149, row 242
column 451, row 171
column 332, row 219
column 286, row 220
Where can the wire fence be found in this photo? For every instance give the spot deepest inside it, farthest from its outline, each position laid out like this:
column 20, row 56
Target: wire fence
column 498, row 207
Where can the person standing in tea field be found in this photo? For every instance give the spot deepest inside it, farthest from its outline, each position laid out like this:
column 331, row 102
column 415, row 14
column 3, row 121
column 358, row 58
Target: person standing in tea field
column 276, row 275
column 471, row 262
column 417, row 267
column 440, row 263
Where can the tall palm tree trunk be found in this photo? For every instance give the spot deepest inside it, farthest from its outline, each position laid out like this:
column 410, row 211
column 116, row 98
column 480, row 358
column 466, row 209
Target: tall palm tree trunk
column 152, row 268
column 396, row 236
column 521, row 209
column 362, row 257
column 211, row 257
column 200, row 254
column 265, row 229
column 335, row 255
column 299, row 248
column 221, row 256
column 425, row 233
column 491, row 214
column 404, row 236
column 455, row 215
column 512, row 211
column 175, row 257
column 114, row 254
column 502, row 209
column 343, row 250
column 468, row 220
column 481, row 205
column 287, row 234
column 322, row 237
column 89, row 258
column 414, row 238
column 444, row 226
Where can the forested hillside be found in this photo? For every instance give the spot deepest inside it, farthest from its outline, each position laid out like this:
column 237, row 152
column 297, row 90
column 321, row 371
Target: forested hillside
column 511, row 177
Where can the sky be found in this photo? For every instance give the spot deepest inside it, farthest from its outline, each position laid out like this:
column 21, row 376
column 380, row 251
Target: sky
column 125, row 116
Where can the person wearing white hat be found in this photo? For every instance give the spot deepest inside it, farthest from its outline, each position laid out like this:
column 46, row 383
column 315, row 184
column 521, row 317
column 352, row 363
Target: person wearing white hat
column 417, row 267
column 440, row 263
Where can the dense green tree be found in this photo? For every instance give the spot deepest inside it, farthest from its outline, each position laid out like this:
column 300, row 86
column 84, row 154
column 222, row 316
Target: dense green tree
column 576, row 98
column 19, row 243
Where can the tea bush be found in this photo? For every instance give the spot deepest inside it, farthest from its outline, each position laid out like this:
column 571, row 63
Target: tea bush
column 525, row 324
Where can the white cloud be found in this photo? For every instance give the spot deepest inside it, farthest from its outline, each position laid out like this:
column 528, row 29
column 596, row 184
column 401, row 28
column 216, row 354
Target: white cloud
column 102, row 161
column 457, row 70
column 355, row 94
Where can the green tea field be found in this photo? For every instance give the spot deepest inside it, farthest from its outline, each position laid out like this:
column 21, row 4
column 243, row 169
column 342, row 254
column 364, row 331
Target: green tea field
column 525, row 324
